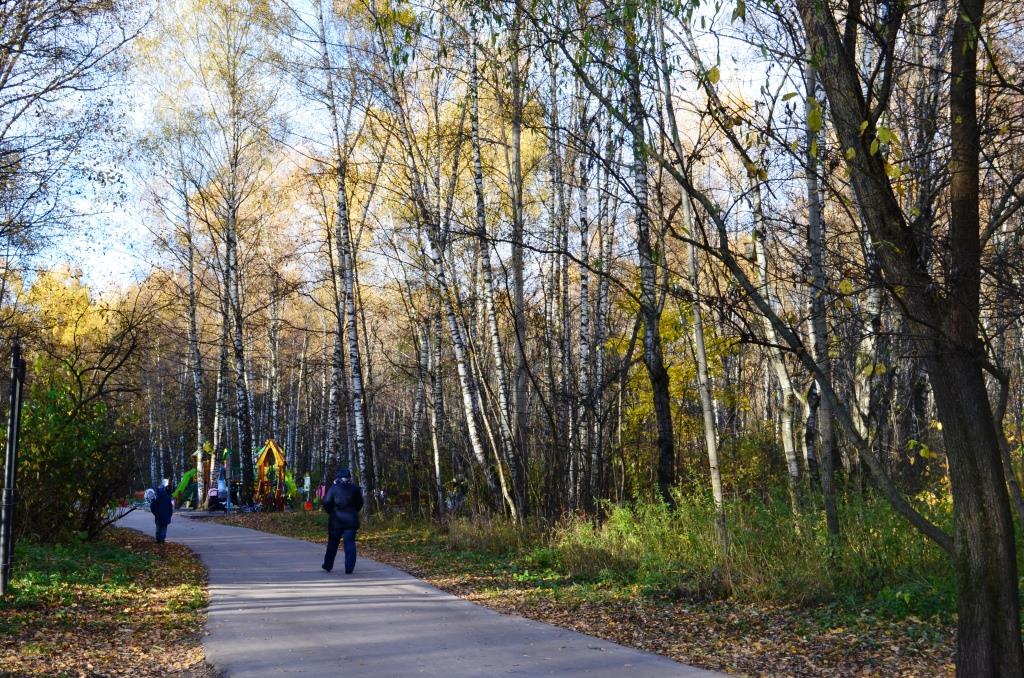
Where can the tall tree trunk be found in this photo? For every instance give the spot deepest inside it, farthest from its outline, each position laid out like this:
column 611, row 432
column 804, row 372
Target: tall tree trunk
column 154, row 463
column 989, row 638
column 157, row 427
column 520, row 395
column 584, row 388
column 273, row 337
column 467, row 382
column 560, row 227
column 946, row 324
column 650, row 309
column 355, row 367
column 195, row 360
column 606, row 243
column 375, row 468
column 508, row 442
column 232, row 275
column 292, row 442
column 819, row 321
column 334, row 418
column 422, row 368
column 345, row 262
column 778, row 360
column 704, row 388
column 436, row 411
column 220, row 435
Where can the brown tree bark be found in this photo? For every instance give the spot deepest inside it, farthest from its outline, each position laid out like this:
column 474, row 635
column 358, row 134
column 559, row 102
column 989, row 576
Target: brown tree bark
column 945, row 321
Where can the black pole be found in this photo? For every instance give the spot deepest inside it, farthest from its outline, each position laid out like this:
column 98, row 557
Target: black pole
column 10, row 461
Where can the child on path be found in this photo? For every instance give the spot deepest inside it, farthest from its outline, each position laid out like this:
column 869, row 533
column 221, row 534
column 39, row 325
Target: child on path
column 162, row 508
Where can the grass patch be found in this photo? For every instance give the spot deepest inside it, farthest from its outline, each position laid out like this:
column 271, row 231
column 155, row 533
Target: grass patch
column 883, row 565
column 119, row 605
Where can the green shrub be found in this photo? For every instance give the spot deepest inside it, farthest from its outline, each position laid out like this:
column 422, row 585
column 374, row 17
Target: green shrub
column 888, row 565
column 73, row 459
column 773, row 556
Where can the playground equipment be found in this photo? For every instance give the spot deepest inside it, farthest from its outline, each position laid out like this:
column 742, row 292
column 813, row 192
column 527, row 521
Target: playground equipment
column 223, row 486
column 271, row 473
column 186, row 488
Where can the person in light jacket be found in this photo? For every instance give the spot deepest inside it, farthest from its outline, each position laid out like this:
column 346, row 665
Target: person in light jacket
column 343, row 501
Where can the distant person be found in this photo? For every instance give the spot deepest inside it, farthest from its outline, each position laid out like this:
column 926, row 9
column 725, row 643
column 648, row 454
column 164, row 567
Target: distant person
column 162, row 508
column 343, row 501
column 457, row 497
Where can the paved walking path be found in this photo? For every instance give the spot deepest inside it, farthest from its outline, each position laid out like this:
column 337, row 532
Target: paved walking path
column 274, row 612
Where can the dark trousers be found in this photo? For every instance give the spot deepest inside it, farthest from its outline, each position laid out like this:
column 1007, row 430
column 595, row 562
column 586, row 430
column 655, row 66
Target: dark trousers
column 349, row 537
column 161, row 532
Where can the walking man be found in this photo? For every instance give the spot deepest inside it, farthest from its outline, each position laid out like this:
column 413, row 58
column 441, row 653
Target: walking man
column 342, row 502
column 162, row 508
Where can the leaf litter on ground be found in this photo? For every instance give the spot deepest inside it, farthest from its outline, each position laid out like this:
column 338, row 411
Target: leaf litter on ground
column 122, row 605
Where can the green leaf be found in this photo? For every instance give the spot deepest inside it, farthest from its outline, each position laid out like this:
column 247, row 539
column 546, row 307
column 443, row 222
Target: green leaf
column 884, row 135
column 741, row 11
column 714, row 75
column 788, row 95
column 814, row 116
column 874, row 146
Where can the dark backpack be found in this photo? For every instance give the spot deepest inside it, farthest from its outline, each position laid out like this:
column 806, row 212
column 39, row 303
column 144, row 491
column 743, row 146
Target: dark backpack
column 343, row 502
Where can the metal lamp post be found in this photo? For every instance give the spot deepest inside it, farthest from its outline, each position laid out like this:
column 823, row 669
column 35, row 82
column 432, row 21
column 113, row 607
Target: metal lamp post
column 10, row 462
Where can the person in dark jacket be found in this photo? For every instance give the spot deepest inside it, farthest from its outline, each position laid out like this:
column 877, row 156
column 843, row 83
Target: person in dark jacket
column 342, row 502
column 162, row 508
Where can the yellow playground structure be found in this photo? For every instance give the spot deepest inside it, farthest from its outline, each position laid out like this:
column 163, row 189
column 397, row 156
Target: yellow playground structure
column 270, row 477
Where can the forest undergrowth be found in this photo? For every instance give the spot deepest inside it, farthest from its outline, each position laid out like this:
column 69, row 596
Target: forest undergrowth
column 786, row 602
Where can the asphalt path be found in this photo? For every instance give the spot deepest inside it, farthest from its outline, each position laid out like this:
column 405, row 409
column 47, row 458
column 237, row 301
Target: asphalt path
column 274, row 612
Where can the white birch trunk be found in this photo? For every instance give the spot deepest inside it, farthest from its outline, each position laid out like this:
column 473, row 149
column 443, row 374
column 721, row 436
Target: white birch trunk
column 274, row 329
column 560, row 288
column 606, row 238
column 584, row 388
column 293, row 423
column 508, row 441
column 436, row 411
column 470, row 400
column 195, row 358
column 221, row 396
column 154, row 469
column 422, row 366
column 345, row 262
column 704, row 388
column 778, row 362
column 648, row 260
column 243, row 404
